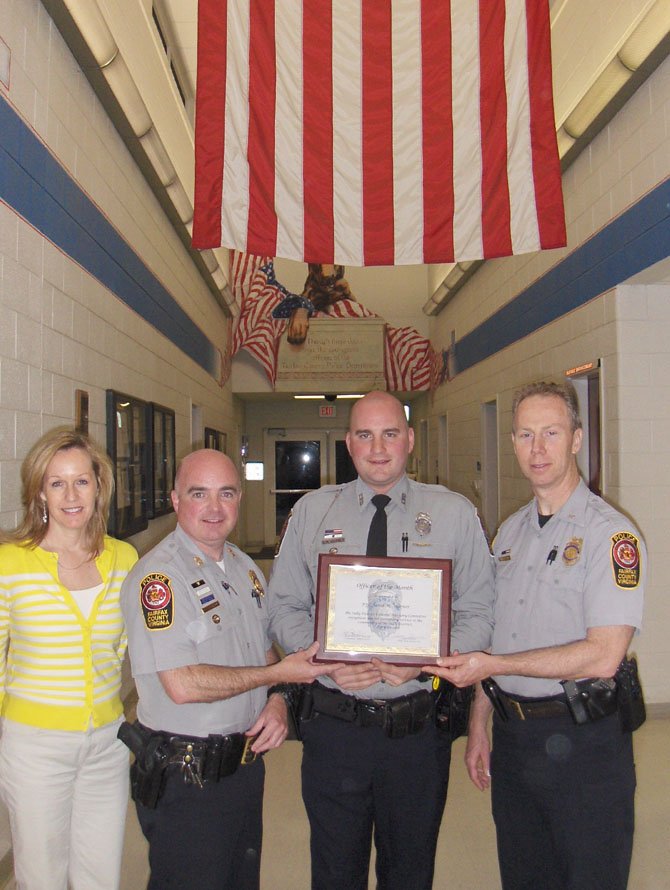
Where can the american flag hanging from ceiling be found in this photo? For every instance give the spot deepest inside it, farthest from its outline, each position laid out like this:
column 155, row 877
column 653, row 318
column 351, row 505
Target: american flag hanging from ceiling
column 376, row 132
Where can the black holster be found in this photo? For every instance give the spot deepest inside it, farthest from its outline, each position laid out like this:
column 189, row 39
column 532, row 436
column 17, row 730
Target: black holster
column 148, row 772
column 632, row 711
column 492, row 691
column 590, row 700
column 452, row 709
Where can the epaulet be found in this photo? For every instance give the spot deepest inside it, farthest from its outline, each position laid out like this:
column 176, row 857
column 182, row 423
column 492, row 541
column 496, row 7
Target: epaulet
column 235, row 551
column 162, row 555
column 325, row 489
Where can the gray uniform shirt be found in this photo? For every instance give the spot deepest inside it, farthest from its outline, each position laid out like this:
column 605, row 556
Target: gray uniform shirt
column 585, row 568
column 424, row 521
column 181, row 609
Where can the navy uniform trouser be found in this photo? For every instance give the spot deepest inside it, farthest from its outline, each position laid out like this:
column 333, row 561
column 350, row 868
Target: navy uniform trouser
column 358, row 784
column 210, row 837
column 562, row 799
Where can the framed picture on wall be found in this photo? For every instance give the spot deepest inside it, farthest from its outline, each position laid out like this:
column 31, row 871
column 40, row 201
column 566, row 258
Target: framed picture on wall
column 163, row 459
column 128, row 445
column 215, row 439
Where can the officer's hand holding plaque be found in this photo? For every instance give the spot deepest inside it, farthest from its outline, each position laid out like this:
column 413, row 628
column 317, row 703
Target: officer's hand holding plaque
column 393, row 608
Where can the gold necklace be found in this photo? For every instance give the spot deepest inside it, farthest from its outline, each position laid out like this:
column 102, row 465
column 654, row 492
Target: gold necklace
column 73, row 568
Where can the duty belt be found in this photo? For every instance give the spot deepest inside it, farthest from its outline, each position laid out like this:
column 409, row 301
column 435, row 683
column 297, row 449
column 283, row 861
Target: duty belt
column 509, row 708
column 200, row 759
column 398, row 717
column 208, row 760
column 529, row 709
column 584, row 701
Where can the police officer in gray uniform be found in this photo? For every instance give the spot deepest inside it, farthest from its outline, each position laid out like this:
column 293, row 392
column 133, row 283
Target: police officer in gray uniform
column 197, row 622
column 373, row 759
column 569, row 588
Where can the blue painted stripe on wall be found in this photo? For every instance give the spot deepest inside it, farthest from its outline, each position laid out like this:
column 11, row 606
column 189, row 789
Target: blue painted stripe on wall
column 33, row 183
column 40, row 190
column 633, row 241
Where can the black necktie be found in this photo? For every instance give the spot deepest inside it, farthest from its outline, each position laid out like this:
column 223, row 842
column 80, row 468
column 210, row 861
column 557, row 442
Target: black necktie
column 377, row 534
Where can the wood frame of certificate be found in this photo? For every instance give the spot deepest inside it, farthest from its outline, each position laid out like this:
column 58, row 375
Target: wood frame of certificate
column 393, row 608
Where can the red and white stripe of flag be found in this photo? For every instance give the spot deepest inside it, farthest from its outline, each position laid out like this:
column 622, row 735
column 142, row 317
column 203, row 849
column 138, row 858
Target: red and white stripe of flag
column 376, row 132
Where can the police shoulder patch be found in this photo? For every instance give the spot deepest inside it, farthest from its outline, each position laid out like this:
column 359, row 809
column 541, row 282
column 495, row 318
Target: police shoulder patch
column 157, row 601
column 626, row 560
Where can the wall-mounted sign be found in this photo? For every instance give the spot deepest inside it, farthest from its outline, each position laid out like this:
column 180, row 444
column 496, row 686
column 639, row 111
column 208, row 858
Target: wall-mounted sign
column 583, row 368
column 339, row 353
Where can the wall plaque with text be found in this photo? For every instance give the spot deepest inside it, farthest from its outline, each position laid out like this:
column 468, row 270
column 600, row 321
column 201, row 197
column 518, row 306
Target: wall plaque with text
column 339, row 353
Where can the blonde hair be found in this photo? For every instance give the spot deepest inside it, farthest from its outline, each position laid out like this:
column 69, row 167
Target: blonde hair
column 32, row 528
column 564, row 391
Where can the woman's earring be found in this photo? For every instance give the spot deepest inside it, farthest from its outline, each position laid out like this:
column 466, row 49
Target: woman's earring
column 45, row 515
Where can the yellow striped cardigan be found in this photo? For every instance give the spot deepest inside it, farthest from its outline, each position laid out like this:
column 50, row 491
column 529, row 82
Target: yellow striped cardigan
column 59, row 670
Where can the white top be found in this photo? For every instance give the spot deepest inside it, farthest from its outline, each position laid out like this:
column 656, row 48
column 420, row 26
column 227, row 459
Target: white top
column 85, row 598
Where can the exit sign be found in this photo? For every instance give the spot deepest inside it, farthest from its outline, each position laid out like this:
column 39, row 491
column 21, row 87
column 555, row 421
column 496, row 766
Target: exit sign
column 327, row 411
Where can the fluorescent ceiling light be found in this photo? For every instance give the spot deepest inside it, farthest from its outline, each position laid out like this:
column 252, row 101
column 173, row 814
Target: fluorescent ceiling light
column 351, row 395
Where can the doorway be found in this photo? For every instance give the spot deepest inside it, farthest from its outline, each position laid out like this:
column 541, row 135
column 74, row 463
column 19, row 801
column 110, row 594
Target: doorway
column 587, row 387
column 299, row 461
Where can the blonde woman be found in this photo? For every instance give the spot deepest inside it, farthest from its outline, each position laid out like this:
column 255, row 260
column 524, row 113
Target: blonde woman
column 63, row 772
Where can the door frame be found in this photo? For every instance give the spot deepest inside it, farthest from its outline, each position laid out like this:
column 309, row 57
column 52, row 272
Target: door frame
column 326, row 439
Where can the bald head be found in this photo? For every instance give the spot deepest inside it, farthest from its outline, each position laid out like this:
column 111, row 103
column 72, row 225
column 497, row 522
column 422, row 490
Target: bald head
column 379, row 403
column 379, row 440
column 206, row 499
column 205, row 459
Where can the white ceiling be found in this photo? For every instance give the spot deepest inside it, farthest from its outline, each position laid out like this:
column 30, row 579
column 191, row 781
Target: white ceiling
column 183, row 18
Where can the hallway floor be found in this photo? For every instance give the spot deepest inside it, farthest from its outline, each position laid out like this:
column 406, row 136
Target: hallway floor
column 466, row 858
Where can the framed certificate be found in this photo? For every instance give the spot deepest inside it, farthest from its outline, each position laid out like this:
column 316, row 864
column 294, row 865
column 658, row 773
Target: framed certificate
column 393, row 608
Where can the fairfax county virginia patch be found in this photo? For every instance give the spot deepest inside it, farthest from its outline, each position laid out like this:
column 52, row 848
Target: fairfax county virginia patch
column 626, row 560
column 572, row 551
column 156, row 600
